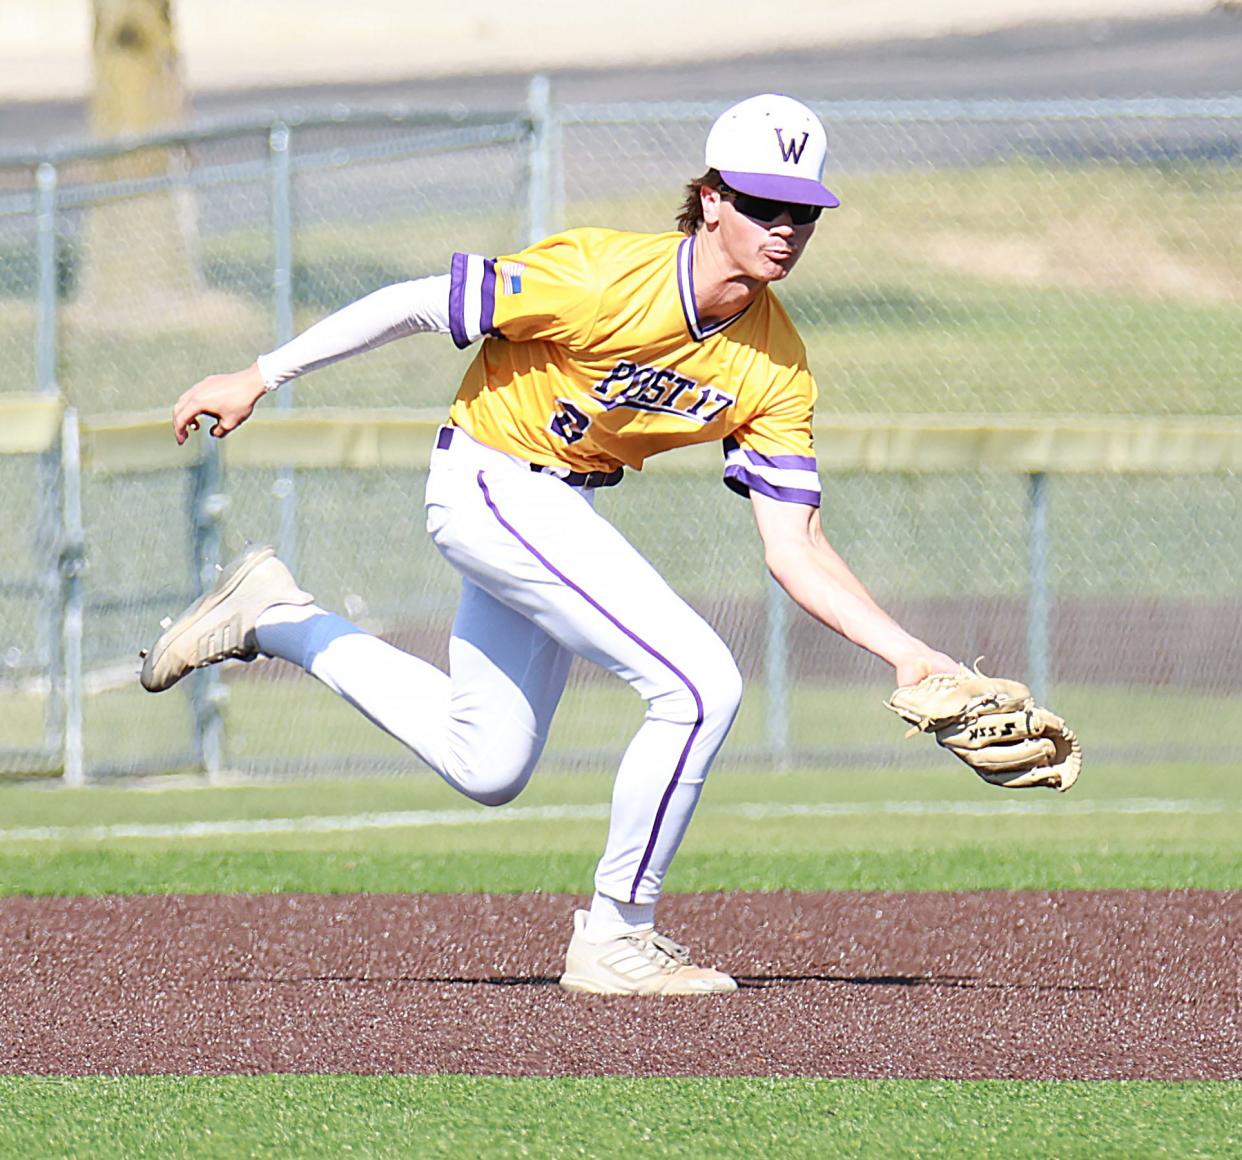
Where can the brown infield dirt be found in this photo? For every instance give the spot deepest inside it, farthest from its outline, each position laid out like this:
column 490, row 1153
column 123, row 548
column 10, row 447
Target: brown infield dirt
column 1075, row 985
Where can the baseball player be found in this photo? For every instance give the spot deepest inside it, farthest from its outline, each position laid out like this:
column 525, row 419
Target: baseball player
column 597, row 349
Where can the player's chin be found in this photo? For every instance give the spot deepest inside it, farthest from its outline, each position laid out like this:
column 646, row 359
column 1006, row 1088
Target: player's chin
column 774, row 269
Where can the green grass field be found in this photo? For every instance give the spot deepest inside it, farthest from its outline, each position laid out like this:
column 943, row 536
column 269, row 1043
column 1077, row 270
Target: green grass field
column 805, row 830
column 753, row 831
column 694, row 1119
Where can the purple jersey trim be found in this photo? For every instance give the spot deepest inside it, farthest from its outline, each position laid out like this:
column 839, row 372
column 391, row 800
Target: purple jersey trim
column 685, row 291
column 698, row 701
column 740, row 480
column 487, row 312
column 685, row 285
column 457, row 301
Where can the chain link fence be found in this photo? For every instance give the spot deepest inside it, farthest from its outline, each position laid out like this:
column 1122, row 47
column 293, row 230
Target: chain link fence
column 990, row 262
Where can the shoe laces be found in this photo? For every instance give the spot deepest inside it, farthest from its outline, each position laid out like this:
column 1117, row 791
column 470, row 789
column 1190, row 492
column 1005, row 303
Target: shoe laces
column 661, row 950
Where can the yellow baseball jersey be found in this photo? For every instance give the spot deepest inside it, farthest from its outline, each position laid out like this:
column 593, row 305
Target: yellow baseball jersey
column 593, row 357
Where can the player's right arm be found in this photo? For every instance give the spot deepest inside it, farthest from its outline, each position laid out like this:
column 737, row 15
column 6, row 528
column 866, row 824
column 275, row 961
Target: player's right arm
column 549, row 291
column 415, row 307
column 228, row 399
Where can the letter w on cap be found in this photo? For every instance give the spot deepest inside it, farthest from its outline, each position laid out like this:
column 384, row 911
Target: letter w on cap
column 794, row 148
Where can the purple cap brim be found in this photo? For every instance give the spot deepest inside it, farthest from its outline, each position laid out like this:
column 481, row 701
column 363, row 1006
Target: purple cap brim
column 799, row 190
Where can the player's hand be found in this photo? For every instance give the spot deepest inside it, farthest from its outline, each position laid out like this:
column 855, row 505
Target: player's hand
column 912, row 669
column 228, row 399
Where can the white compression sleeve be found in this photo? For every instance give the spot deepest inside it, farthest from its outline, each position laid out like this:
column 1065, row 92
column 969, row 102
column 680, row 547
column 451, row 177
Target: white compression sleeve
column 417, row 307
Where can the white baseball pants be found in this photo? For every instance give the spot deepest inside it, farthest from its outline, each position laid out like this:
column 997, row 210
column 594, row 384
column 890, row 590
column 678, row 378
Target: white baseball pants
column 544, row 577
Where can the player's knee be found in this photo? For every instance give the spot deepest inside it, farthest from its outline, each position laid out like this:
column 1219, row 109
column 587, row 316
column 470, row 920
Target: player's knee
column 722, row 694
column 708, row 695
column 490, row 784
column 497, row 795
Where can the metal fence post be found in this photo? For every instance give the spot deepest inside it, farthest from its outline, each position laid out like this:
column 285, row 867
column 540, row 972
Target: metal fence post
column 207, row 504
column 556, row 161
column 538, row 191
column 72, row 561
column 285, row 486
column 1038, row 619
column 48, row 531
column 776, row 674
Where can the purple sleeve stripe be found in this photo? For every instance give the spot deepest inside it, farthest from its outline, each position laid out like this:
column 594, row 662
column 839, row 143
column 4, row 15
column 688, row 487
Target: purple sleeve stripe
column 743, row 482
column 789, row 462
column 457, row 301
column 487, row 312
column 795, row 462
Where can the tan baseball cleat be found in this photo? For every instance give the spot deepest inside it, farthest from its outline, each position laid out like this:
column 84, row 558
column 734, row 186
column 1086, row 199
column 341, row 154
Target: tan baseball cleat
column 636, row 964
column 220, row 624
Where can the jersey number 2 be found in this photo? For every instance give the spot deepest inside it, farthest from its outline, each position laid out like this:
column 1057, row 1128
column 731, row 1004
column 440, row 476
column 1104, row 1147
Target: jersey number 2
column 569, row 422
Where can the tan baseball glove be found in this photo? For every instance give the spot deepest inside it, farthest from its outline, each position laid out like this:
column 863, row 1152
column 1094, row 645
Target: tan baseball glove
column 994, row 726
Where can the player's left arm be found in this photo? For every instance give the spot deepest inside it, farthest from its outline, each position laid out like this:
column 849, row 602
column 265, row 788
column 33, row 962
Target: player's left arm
column 805, row 564
column 771, row 458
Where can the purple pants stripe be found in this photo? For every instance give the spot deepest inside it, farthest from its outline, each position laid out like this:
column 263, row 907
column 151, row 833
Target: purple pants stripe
column 698, row 701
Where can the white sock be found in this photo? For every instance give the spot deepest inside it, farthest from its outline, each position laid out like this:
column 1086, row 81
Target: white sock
column 609, row 918
column 282, row 630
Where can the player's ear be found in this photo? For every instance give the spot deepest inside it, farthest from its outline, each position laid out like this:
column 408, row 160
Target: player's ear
column 710, row 199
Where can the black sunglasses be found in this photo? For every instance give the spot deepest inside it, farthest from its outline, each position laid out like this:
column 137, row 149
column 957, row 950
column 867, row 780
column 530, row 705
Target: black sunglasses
column 764, row 209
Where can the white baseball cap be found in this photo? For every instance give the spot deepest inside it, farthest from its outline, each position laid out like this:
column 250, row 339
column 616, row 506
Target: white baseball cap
column 772, row 146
